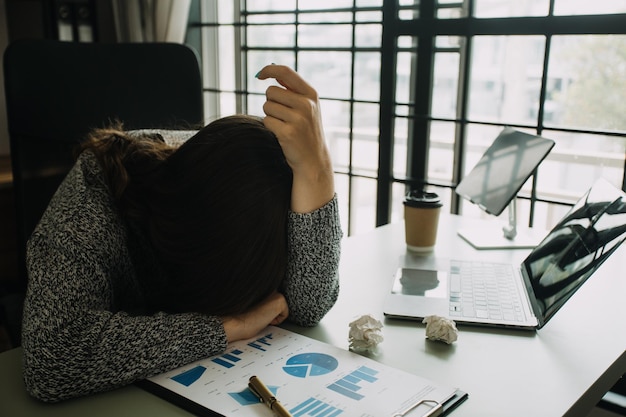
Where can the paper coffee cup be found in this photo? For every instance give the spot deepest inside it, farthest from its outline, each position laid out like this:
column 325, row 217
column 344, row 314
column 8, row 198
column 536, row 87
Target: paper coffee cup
column 421, row 218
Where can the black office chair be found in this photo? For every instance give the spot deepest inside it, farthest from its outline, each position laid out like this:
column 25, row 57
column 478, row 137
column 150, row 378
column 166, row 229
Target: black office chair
column 57, row 91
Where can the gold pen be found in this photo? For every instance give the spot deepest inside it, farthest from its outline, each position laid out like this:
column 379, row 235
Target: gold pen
column 265, row 396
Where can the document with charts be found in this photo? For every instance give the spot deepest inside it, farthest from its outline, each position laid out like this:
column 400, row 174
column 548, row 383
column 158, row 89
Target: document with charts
column 310, row 378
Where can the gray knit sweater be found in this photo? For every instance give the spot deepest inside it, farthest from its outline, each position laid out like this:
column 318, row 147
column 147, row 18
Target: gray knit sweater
column 77, row 340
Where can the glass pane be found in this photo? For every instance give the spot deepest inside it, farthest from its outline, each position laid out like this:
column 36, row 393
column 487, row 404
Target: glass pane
column 365, row 140
column 585, row 74
column 271, row 35
column 338, row 17
column 441, row 151
column 210, row 68
column 450, row 13
column 369, row 3
column 367, row 76
column 255, row 105
column 448, row 41
column 577, row 160
column 327, row 36
column 581, row 7
column 275, row 18
column 336, row 119
column 406, row 111
column 401, row 133
column 506, row 78
column 323, row 4
column 365, row 119
column 446, row 81
column 363, row 214
column 369, row 17
column 256, row 5
column 219, row 105
column 398, row 190
column 406, row 42
column 211, row 107
column 404, row 80
column 445, row 195
column 328, row 72
column 511, row 8
column 408, row 14
column 259, row 59
column 226, row 12
column 368, row 35
column 226, row 63
column 365, row 134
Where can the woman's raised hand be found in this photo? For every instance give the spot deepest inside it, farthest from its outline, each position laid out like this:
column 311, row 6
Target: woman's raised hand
column 293, row 114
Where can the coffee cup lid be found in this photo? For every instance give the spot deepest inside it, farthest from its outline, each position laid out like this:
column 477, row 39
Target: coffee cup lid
column 419, row 198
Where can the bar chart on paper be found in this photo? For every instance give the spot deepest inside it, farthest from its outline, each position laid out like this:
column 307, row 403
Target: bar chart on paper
column 350, row 384
column 310, row 379
column 315, row 408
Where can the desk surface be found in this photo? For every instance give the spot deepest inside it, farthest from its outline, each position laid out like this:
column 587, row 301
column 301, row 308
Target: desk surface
column 562, row 369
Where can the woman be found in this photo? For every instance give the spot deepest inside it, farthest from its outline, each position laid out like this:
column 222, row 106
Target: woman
column 150, row 257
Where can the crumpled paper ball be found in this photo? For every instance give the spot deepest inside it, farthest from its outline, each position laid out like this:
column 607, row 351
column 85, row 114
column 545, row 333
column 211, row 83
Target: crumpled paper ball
column 440, row 329
column 365, row 334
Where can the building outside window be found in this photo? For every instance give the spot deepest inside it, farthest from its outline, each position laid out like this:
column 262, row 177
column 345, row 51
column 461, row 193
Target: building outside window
column 414, row 91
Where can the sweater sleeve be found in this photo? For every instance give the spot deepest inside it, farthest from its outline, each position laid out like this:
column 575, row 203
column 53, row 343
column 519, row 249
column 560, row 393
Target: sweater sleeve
column 75, row 340
column 312, row 283
column 73, row 345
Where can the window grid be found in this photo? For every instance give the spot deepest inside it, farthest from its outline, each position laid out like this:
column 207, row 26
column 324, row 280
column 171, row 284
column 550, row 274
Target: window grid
column 423, row 23
column 425, row 32
column 348, row 170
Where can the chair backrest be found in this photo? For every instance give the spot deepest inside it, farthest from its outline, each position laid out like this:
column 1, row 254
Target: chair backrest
column 57, row 91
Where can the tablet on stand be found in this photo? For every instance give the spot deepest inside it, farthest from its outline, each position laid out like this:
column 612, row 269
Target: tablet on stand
column 493, row 185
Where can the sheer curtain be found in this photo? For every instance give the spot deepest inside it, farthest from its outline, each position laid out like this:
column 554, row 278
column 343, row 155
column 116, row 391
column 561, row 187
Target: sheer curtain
column 151, row 20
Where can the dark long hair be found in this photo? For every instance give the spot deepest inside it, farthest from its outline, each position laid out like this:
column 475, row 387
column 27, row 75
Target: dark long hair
column 214, row 213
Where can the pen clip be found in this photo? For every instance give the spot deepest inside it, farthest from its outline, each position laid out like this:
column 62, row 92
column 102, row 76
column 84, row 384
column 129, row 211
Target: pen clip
column 266, row 396
column 260, row 390
column 254, row 391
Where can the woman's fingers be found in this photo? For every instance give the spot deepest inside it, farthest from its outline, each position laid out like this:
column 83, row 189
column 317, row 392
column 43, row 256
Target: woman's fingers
column 287, row 98
column 293, row 114
column 288, row 78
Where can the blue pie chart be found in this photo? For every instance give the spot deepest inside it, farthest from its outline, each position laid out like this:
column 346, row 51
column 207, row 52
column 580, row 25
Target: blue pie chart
column 310, row 364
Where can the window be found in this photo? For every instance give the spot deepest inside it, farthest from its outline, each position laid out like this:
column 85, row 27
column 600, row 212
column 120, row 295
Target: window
column 414, row 91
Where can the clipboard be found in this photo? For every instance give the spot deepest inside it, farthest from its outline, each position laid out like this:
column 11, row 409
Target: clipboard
column 304, row 374
column 196, row 409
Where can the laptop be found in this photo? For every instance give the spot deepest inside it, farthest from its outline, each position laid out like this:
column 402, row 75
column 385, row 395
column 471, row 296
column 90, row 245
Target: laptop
column 522, row 296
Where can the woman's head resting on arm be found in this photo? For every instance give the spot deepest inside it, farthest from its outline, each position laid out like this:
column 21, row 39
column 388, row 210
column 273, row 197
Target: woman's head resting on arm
column 215, row 211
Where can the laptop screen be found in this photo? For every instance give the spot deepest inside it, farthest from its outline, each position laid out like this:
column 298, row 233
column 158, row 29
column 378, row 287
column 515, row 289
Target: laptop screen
column 588, row 234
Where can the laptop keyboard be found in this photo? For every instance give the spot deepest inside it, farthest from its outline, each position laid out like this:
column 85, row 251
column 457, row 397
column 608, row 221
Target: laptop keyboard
column 484, row 290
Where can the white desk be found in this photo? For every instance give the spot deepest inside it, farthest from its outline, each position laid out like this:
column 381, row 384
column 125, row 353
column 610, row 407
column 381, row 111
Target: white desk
column 562, row 369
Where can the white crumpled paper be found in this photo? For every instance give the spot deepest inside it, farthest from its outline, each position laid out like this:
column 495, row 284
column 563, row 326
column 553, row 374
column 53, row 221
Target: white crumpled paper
column 441, row 329
column 365, row 334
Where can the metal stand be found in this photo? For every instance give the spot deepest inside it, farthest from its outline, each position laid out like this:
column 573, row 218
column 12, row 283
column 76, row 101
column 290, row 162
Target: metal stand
column 509, row 237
